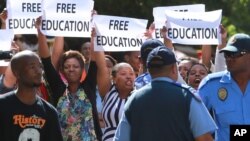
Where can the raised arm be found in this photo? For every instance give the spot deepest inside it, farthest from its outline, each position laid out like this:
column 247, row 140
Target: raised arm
column 103, row 76
column 3, row 17
column 57, row 51
column 166, row 40
column 219, row 61
column 206, row 55
column 52, row 76
column 149, row 32
column 43, row 48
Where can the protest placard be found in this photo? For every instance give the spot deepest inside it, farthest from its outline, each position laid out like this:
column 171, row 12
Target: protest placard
column 67, row 18
column 22, row 15
column 5, row 40
column 160, row 17
column 194, row 28
column 118, row 33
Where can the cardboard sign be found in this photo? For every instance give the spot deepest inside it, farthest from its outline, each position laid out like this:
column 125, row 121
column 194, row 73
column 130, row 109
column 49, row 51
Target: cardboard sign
column 160, row 17
column 67, row 18
column 118, row 33
column 22, row 15
column 6, row 39
column 194, row 28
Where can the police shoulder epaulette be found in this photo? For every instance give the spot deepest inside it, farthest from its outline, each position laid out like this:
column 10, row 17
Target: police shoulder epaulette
column 216, row 75
column 209, row 77
column 140, row 77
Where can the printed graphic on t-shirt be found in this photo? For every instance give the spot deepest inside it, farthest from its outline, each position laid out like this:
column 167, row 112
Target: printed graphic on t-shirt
column 30, row 126
column 29, row 134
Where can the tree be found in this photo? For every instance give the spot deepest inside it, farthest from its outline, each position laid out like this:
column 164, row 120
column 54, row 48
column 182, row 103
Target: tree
column 235, row 13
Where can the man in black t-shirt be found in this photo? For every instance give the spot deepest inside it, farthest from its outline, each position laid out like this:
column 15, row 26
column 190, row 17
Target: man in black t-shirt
column 23, row 114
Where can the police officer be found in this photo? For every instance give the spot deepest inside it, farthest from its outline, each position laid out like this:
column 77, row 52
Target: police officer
column 145, row 77
column 146, row 47
column 227, row 93
column 163, row 109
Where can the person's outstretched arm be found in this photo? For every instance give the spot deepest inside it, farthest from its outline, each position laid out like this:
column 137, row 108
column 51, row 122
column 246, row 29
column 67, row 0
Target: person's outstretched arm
column 206, row 55
column 3, row 17
column 56, row 84
column 57, row 51
column 43, row 49
column 219, row 61
column 167, row 41
column 103, row 76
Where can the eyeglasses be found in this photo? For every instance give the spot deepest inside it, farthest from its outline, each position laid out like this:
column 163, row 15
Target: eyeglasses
column 234, row 54
column 18, row 38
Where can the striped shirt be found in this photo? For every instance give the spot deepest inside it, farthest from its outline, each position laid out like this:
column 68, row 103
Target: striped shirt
column 112, row 111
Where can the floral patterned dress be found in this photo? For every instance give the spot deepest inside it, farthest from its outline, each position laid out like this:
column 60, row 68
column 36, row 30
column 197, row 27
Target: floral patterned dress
column 75, row 116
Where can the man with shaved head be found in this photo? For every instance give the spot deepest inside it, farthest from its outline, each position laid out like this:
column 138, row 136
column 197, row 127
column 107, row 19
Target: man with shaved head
column 27, row 68
column 24, row 115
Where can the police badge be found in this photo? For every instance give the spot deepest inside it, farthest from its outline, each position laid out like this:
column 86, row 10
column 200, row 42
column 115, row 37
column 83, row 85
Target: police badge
column 222, row 94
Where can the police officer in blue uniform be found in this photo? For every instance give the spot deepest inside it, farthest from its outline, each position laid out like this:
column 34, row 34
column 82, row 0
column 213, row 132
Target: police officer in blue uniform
column 164, row 110
column 146, row 47
column 227, row 93
column 145, row 77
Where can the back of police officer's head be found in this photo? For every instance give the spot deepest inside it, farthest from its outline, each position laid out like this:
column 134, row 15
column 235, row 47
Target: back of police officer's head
column 19, row 60
column 161, row 62
column 147, row 47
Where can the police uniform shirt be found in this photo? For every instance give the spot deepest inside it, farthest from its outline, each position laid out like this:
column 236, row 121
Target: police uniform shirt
column 221, row 94
column 200, row 120
column 142, row 80
column 145, row 78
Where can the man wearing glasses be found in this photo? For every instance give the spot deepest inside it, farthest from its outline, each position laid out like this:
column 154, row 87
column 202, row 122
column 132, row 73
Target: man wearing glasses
column 227, row 93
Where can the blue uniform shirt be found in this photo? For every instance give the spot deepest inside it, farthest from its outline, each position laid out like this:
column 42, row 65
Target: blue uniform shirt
column 200, row 120
column 145, row 78
column 221, row 94
column 142, row 80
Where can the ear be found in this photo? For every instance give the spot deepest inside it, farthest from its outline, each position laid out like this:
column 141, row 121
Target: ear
column 174, row 69
column 176, row 73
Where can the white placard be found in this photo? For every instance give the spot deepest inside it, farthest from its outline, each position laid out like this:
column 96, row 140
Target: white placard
column 194, row 28
column 67, row 18
column 160, row 17
column 118, row 33
column 22, row 15
column 6, row 39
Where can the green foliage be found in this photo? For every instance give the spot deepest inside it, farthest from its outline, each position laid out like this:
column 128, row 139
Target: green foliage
column 236, row 13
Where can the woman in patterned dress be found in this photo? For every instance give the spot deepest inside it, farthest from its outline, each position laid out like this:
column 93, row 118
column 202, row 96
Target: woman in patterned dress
column 76, row 100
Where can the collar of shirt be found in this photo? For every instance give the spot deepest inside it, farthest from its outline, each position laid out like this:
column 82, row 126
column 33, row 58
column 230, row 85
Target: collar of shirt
column 163, row 79
column 226, row 78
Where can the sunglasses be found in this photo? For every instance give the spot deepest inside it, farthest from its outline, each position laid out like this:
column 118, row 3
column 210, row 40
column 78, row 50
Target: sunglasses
column 234, row 54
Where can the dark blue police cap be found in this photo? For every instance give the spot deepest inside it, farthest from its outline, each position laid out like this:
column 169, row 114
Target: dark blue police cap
column 160, row 56
column 148, row 46
column 238, row 43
